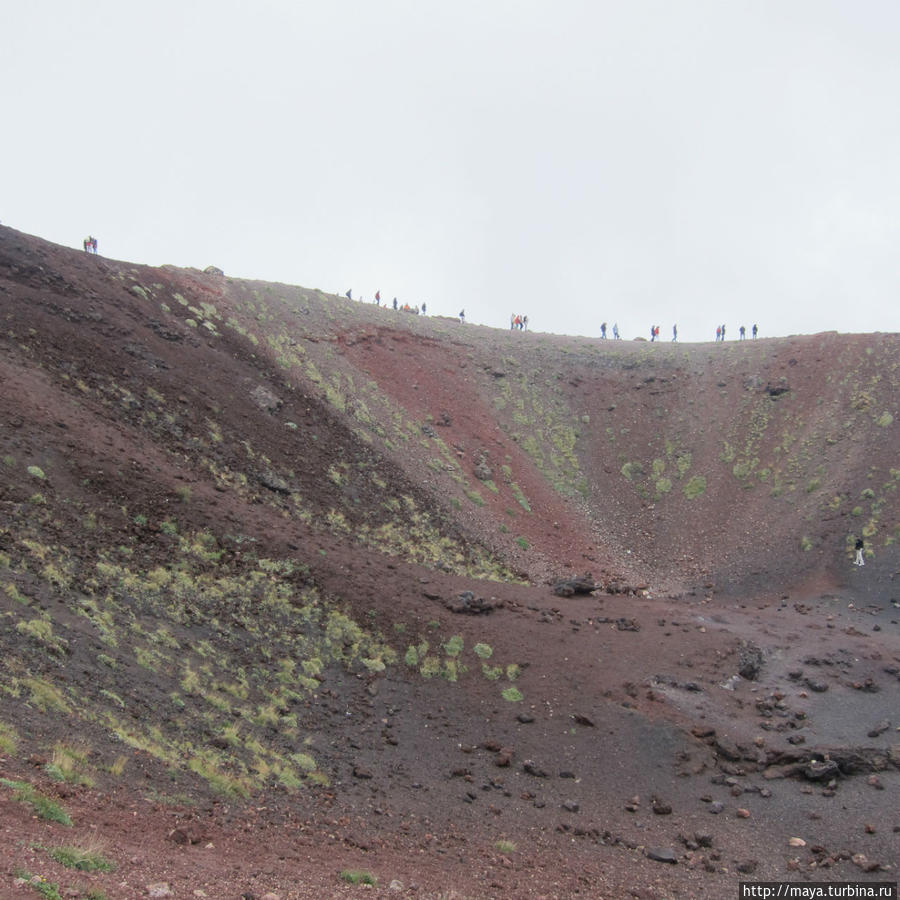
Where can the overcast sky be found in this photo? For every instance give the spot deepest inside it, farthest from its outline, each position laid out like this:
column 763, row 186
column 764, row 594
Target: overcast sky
column 639, row 161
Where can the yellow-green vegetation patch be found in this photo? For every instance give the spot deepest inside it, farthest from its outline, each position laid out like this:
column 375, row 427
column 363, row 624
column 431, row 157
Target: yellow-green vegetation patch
column 355, row 876
column 695, row 487
column 474, row 496
column 46, row 888
column 45, row 696
column 69, row 763
column 43, row 806
column 9, row 739
column 520, row 496
column 83, row 858
column 632, row 470
column 454, row 646
column 41, row 631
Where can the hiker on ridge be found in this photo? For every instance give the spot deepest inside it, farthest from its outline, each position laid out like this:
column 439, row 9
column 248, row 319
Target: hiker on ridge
column 603, row 331
column 860, row 560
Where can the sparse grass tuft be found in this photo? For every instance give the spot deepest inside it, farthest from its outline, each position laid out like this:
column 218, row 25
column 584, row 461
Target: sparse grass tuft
column 355, row 876
column 695, row 487
column 454, row 646
column 9, row 739
column 87, row 858
column 46, row 696
column 68, row 764
column 38, row 883
column 43, row 806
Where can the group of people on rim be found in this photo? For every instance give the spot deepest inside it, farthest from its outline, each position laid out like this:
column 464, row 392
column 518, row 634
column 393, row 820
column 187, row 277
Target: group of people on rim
column 654, row 332
column 615, row 330
column 415, row 310
column 517, row 321
column 742, row 332
column 90, row 244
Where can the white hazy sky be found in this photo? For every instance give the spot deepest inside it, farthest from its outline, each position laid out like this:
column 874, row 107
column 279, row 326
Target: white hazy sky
column 581, row 161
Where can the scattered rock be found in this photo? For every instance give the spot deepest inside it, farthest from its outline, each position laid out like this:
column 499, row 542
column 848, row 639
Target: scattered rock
column 265, row 399
column 820, row 770
column 580, row 584
column 189, row 833
column 274, row 483
column 883, row 726
column 728, row 749
column 861, row 861
column 159, row 889
column 482, row 470
column 468, row 603
column 750, row 663
column 662, row 854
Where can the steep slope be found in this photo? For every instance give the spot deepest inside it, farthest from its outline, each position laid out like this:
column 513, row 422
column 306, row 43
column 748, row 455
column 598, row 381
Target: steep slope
column 262, row 543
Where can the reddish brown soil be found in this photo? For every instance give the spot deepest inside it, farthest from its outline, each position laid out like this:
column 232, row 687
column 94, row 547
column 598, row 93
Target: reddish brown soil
column 629, row 692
